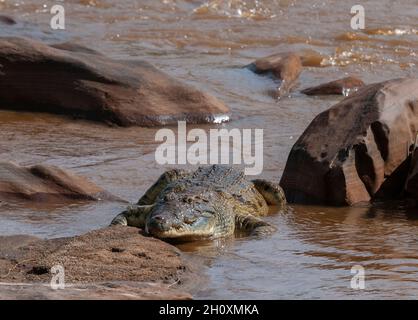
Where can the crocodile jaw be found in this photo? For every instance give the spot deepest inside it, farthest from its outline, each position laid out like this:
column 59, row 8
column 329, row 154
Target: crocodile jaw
column 182, row 235
column 183, row 232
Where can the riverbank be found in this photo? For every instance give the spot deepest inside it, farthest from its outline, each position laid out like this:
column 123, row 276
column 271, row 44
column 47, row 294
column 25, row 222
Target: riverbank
column 111, row 263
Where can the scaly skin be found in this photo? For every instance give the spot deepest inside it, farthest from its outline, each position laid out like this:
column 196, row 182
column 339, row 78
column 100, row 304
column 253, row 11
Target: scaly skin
column 209, row 203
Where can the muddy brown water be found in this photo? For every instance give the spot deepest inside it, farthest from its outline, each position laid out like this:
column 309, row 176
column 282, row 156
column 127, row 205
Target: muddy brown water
column 206, row 43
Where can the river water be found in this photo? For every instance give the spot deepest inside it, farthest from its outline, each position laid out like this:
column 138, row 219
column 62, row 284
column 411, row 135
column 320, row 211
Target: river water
column 206, row 43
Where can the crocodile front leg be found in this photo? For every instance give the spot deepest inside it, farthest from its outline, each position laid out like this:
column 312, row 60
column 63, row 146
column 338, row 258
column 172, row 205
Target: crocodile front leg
column 271, row 192
column 133, row 216
column 253, row 226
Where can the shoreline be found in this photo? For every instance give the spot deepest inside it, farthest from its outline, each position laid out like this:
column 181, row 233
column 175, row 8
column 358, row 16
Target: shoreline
column 26, row 262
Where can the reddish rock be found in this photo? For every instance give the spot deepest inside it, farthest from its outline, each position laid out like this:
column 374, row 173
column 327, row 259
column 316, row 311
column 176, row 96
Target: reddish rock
column 112, row 263
column 73, row 80
column 356, row 150
column 311, row 58
column 345, row 87
column 46, row 183
column 284, row 66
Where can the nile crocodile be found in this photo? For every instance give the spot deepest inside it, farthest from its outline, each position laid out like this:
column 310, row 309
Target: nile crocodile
column 211, row 202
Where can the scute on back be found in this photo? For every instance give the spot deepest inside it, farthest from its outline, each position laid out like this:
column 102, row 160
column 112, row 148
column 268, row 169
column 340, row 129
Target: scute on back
column 228, row 180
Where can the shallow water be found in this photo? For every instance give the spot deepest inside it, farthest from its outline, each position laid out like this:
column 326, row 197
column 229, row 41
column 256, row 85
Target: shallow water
column 206, row 43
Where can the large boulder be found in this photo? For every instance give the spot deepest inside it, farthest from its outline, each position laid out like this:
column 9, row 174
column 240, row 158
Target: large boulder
column 358, row 149
column 115, row 262
column 77, row 81
column 46, row 183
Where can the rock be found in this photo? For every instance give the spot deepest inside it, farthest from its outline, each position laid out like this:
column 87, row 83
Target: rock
column 7, row 20
column 311, row 58
column 73, row 80
column 46, row 183
column 357, row 150
column 284, row 66
column 115, row 262
column 345, row 87
column 10, row 243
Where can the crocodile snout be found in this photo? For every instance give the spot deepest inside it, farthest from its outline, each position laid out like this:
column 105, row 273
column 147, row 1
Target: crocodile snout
column 158, row 224
column 161, row 224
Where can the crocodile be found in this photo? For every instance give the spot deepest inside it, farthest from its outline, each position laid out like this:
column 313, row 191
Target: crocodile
column 211, row 202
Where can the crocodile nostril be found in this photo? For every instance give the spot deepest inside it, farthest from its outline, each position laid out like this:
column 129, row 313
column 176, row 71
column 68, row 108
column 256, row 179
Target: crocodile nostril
column 158, row 223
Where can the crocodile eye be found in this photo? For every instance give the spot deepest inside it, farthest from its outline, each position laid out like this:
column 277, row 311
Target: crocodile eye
column 189, row 219
column 207, row 214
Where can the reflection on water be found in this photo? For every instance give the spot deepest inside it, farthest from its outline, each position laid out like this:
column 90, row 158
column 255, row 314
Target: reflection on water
column 312, row 254
column 51, row 221
column 206, row 43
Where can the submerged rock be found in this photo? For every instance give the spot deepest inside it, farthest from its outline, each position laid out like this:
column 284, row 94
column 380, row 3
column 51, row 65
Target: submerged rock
column 345, row 87
column 46, row 183
column 7, row 20
column 115, row 263
column 358, row 149
column 284, row 66
column 73, row 80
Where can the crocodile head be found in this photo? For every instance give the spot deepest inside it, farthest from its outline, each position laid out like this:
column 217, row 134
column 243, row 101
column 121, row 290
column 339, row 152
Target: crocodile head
column 189, row 216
